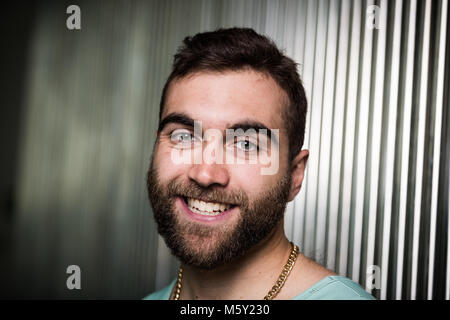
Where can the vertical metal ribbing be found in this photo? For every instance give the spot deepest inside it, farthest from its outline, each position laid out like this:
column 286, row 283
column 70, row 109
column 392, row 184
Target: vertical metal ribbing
column 313, row 127
column 306, row 60
column 298, row 204
column 324, row 88
column 338, row 131
column 375, row 143
column 390, row 148
column 349, row 142
column 289, row 36
column 289, row 221
column 407, row 104
column 420, row 146
column 362, row 147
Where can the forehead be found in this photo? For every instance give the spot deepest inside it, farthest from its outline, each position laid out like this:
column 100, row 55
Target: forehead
column 222, row 98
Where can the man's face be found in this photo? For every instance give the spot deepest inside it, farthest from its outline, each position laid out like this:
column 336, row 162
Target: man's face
column 211, row 213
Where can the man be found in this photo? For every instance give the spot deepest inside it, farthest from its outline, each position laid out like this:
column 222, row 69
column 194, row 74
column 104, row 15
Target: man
column 219, row 203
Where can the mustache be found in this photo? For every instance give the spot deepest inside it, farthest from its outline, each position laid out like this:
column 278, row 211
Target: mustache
column 209, row 194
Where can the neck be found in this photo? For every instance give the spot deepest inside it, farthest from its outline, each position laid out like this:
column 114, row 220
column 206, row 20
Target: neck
column 260, row 266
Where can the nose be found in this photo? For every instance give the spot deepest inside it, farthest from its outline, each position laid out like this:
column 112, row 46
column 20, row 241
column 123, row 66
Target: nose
column 209, row 174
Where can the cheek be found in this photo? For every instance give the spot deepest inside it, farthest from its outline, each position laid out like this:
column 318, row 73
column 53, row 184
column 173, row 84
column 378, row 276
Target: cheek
column 249, row 179
column 166, row 168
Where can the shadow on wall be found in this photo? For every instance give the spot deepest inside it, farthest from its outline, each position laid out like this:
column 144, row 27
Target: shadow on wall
column 16, row 27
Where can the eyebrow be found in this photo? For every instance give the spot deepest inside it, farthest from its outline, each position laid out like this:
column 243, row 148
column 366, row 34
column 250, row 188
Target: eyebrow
column 183, row 119
column 255, row 125
column 179, row 118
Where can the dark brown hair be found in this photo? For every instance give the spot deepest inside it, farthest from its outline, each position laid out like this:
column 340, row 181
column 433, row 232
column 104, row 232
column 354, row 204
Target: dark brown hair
column 239, row 48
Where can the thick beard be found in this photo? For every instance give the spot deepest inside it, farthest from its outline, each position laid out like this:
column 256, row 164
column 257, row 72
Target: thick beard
column 207, row 247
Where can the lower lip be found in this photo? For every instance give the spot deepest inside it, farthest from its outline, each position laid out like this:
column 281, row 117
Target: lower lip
column 204, row 218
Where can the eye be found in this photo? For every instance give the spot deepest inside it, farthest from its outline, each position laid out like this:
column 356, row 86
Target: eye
column 247, row 145
column 181, row 136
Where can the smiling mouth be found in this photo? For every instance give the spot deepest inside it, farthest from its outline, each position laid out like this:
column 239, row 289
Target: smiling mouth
column 206, row 208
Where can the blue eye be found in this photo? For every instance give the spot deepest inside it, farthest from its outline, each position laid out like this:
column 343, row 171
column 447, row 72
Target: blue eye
column 181, row 136
column 247, row 145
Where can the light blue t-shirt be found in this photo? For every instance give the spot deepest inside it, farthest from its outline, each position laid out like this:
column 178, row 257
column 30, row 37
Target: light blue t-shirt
column 329, row 288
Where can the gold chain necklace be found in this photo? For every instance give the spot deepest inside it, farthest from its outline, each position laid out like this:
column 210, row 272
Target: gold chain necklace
column 275, row 289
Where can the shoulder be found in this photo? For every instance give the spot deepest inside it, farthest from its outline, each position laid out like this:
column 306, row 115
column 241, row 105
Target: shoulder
column 312, row 281
column 163, row 294
column 335, row 288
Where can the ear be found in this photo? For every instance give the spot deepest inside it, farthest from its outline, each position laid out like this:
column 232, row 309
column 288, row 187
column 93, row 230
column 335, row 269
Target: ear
column 298, row 166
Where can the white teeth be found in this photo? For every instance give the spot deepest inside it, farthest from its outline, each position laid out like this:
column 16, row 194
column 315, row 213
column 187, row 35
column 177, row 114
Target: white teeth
column 206, row 208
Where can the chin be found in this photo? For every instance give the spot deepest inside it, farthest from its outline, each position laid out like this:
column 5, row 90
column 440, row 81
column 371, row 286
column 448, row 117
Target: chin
column 203, row 252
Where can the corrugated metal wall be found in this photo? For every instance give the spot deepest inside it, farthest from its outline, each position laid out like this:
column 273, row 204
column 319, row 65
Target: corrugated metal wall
column 377, row 183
